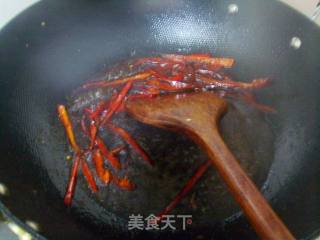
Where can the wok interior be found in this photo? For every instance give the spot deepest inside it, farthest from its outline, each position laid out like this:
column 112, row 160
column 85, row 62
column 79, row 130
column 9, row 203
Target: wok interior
column 69, row 52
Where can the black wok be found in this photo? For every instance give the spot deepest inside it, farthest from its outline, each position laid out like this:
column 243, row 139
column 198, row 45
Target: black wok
column 41, row 65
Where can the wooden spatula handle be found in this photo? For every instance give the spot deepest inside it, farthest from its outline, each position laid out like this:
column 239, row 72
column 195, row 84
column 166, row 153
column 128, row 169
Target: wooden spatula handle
column 262, row 217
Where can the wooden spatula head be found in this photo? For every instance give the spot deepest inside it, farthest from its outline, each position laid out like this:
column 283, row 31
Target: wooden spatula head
column 178, row 111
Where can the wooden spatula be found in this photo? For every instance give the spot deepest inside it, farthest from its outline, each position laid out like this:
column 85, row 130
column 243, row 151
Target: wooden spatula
column 198, row 115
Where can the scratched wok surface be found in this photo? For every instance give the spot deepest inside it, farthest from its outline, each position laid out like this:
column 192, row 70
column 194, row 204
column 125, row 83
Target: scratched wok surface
column 42, row 65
